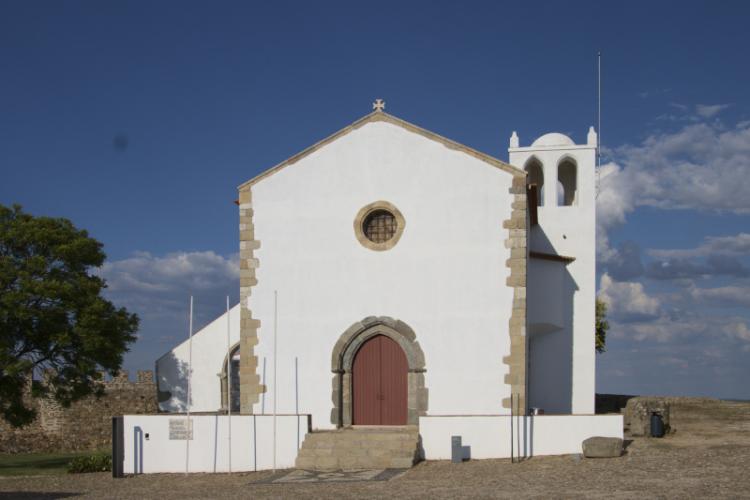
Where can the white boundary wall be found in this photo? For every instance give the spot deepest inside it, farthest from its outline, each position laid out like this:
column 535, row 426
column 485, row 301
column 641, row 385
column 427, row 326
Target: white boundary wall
column 252, row 443
column 490, row 436
column 252, row 439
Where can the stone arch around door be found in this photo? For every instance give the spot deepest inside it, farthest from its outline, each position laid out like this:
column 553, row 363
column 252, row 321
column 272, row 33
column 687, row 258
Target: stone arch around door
column 342, row 360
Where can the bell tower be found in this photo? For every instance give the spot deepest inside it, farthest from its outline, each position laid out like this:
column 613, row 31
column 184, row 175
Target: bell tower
column 562, row 270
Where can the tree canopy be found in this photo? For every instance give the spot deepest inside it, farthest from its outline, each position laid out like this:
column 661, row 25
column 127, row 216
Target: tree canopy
column 602, row 325
column 53, row 318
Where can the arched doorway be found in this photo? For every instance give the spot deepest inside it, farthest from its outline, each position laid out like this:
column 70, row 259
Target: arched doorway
column 347, row 348
column 380, row 383
column 234, row 380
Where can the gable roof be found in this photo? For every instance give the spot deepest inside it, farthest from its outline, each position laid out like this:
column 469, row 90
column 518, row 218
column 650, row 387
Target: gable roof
column 382, row 116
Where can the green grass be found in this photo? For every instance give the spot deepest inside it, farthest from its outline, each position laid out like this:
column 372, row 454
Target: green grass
column 34, row 464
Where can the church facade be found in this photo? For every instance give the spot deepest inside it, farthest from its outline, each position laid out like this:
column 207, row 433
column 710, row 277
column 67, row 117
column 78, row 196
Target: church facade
column 392, row 277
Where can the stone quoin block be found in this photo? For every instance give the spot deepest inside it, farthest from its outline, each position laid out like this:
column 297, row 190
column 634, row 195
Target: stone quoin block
column 517, row 243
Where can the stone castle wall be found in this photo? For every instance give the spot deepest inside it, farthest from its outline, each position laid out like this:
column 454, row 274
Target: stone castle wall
column 86, row 424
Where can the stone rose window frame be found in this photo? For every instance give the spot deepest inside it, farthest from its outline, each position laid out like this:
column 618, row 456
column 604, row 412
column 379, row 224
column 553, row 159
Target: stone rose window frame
column 362, row 217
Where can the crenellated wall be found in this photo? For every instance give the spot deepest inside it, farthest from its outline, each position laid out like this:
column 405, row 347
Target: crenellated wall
column 86, row 424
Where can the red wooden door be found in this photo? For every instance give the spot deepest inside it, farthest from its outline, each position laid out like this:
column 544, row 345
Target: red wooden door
column 379, row 383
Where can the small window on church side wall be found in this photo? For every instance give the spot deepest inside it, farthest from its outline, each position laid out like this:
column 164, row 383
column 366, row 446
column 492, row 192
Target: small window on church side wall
column 566, row 183
column 536, row 176
column 379, row 225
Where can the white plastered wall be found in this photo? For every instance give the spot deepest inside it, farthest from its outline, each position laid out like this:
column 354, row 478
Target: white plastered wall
column 445, row 277
column 209, row 354
column 568, row 231
column 491, row 436
column 149, row 446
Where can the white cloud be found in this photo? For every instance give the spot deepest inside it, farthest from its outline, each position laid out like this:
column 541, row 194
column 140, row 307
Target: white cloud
column 710, row 110
column 732, row 246
column 183, row 271
column 614, row 201
column 638, row 316
column 662, row 329
column 728, row 295
column 158, row 289
column 701, row 166
column 674, row 361
column 628, row 301
column 668, row 329
column 738, row 330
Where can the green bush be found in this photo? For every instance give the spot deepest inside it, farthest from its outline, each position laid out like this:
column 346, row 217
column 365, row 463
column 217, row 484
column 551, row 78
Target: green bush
column 90, row 463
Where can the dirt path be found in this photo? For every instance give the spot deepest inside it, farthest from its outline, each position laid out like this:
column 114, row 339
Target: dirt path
column 708, row 456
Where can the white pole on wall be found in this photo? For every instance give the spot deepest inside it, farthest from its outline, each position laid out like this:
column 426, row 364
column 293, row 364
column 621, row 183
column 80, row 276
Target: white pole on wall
column 511, row 428
column 275, row 392
column 263, row 396
column 296, row 396
column 229, row 390
column 518, row 427
column 189, row 398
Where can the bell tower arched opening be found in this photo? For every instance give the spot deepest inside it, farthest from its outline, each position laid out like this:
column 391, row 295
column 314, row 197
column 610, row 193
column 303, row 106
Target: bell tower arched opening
column 567, row 181
column 535, row 177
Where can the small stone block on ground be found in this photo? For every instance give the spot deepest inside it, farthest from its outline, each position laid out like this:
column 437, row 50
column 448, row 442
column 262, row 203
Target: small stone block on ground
column 602, row 447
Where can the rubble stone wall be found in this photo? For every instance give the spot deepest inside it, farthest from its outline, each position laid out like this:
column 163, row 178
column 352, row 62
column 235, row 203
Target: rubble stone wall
column 86, row 424
column 637, row 414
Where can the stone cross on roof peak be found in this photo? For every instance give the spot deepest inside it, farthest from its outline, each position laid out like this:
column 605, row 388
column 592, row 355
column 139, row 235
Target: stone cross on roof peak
column 378, row 105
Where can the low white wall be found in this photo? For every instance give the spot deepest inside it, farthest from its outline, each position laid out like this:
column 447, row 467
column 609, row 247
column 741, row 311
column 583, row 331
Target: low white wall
column 149, row 449
column 490, row 436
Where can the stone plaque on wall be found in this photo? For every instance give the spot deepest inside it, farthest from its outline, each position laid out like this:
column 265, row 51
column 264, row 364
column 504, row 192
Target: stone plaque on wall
column 179, row 429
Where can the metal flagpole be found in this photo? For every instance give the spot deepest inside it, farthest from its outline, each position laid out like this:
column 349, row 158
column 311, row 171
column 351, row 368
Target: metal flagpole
column 229, row 389
column 296, row 396
column 598, row 110
column 275, row 392
column 597, row 166
column 189, row 398
column 518, row 427
column 511, row 428
column 263, row 396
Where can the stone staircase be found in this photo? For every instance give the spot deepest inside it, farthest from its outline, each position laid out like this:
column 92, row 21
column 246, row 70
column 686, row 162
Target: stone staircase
column 360, row 448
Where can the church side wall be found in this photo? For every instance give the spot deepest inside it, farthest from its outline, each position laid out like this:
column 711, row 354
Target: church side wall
column 209, row 353
column 445, row 278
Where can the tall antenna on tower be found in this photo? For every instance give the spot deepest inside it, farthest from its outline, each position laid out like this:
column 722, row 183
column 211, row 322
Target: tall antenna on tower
column 598, row 118
column 598, row 110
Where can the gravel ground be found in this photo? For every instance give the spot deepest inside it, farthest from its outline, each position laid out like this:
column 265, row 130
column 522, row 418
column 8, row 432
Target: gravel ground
column 707, row 456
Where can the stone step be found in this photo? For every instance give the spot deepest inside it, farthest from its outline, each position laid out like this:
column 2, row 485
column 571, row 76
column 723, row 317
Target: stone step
column 359, row 448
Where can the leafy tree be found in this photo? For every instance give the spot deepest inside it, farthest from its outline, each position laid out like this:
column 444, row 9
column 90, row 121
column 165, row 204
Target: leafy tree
column 602, row 325
column 53, row 319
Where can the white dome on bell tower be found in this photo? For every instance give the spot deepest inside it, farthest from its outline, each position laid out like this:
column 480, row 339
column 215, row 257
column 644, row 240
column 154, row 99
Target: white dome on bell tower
column 553, row 139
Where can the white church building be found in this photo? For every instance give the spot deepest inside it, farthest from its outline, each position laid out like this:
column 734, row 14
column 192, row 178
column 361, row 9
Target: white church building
column 395, row 279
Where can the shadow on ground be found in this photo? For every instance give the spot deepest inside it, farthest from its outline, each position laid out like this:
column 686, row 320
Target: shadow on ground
column 36, row 495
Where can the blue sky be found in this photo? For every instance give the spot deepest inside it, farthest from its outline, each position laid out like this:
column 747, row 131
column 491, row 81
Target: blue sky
column 137, row 120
